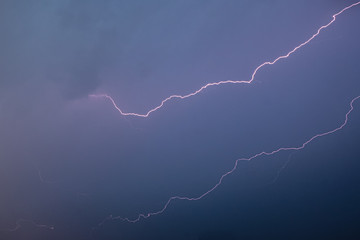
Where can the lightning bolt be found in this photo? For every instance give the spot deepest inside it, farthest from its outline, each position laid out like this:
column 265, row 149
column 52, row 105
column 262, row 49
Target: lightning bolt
column 282, row 149
column 260, row 154
column 106, row 96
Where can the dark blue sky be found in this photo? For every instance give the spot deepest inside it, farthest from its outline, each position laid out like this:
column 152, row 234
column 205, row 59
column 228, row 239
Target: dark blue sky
column 69, row 161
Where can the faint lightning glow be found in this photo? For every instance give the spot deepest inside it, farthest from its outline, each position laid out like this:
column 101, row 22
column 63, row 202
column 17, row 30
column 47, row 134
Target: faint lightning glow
column 302, row 146
column 19, row 225
column 226, row 81
column 42, row 179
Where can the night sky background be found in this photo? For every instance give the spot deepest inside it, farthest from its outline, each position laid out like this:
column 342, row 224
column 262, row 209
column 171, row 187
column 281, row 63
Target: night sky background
column 70, row 161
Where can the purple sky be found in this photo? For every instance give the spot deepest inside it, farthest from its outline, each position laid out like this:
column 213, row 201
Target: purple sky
column 70, row 161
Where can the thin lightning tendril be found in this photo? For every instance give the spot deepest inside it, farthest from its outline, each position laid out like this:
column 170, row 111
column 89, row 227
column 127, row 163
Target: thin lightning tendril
column 261, row 154
column 221, row 82
column 19, row 225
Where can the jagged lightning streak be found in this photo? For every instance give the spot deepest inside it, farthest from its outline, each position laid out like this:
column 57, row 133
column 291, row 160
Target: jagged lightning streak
column 227, row 81
column 302, row 146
